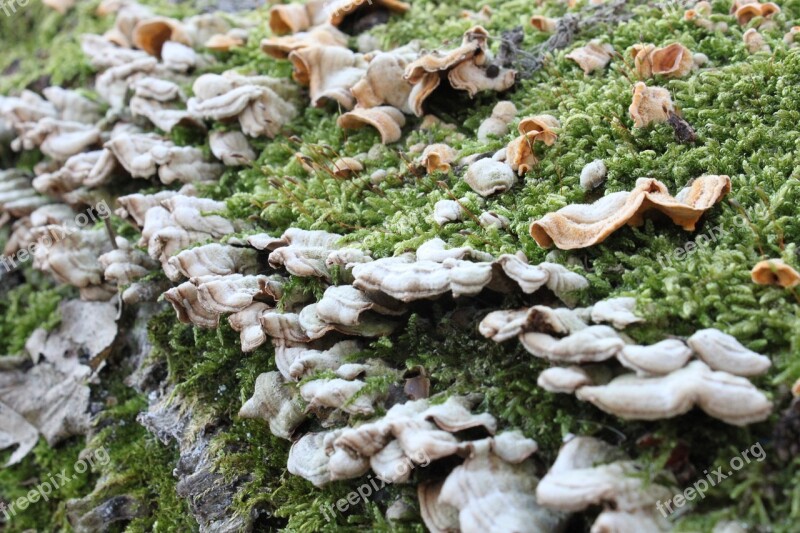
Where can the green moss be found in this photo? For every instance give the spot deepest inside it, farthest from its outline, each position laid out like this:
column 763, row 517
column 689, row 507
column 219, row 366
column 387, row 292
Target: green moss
column 17, row 482
column 26, row 308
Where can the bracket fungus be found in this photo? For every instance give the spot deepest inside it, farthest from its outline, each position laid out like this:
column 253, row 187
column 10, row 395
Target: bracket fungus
column 410, row 433
column 261, row 104
column 323, row 35
column 563, row 379
column 593, row 174
column 501, row 326
column 589, row 472
column 590, row 344
column 338, row 393
column 178, row 57
column 383, row 82
column 487, row 177
column 57, row 139
column 248, row 323
column 663, row 386
column 730, row 398
column 388, row 120
column 317, row 301
column 214, row 259
column 699, row 14
column 163, row 117
column 73, row 259
column 446, row 211
column 465, row 68
column 294, row 18
column 231, row 147
column 72, row 106
column 650, row 105
column 437, row 158
column 673, row 61
column 184, row 300
column 755, row 42
column 171, row 222
column 275, row 402
column 235, row 292
column 775, row 272
column 490, row 219
column 305, row 253
column 657, row 359
column 339, row 11
column 544, row 24
column 539, row 128
column 296, row 362
column 344, row 305
column 594, row 56
column 406, row 279
column 346, row 167
column 133, row 152
column 153, row 33
column 125, row 264
column 582, row 225
column 721, row 351
column 330, row 72
column 619, row 312
column 497, row 124
column 747, row 11
column 493, row 490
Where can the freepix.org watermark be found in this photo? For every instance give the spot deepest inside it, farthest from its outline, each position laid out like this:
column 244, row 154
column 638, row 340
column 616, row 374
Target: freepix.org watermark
column 9, row 7
column 700, row 487
column 57, row 233
column 711, row 235
column 55, row 482
column 373, row 485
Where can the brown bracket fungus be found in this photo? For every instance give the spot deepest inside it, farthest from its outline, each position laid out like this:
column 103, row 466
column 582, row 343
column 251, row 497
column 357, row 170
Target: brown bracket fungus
column 745, row 12
column 650, row 105
column 330, row 72
column 673, row 61
column 519, row 152
column 384, row 82
column 580, row 226
column 544, row 24
column 593, row 56
column 324, row 35
column 464, row 68
column 153, row 33
column 388, row 120
column 437, row 158
column 774, row 272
